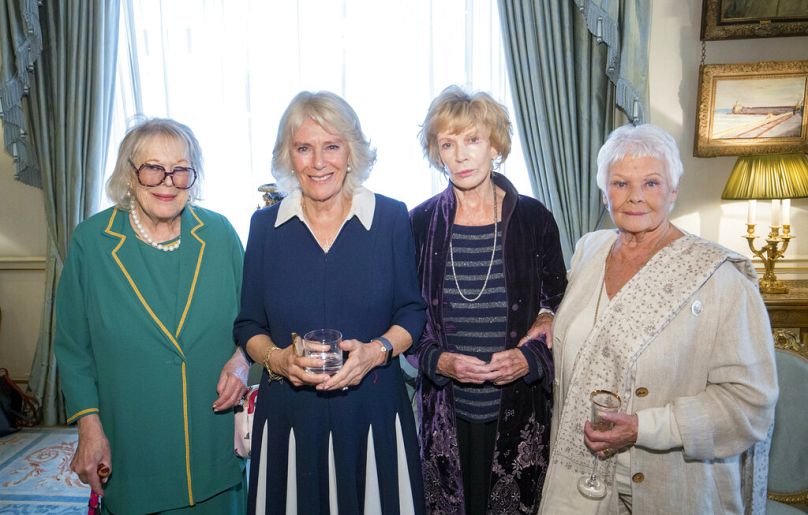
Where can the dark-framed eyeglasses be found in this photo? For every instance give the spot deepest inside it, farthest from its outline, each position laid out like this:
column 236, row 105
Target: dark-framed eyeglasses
column 151, row 175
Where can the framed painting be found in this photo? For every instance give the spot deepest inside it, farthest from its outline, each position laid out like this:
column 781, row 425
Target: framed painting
column 738, row 19
column 752, row 108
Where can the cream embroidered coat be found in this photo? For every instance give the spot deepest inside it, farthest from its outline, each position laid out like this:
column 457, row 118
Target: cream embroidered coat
column 706, row 368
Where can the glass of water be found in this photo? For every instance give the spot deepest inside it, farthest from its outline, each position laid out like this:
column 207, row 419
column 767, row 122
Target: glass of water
column 323, row 344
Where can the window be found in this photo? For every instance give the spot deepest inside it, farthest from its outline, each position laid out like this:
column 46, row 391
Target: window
column 228, row 69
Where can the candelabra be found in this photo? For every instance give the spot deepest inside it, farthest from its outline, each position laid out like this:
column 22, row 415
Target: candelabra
column 271, row 194
column 775, row 177
column 774, row 249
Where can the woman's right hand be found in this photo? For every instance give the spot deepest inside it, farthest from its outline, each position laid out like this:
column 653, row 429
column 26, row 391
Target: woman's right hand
column 463, row 368
column 92, row 461
column 287, row 363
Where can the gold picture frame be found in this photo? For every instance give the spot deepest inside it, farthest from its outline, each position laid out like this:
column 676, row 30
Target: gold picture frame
column 752, row 108
column 739, row 19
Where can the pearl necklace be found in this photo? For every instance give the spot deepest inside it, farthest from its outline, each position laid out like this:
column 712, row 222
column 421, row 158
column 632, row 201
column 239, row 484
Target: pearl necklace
column 171, row 247
column 490, row 263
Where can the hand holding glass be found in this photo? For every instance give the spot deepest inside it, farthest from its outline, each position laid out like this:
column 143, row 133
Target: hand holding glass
column 603, row 401
column 323, row 344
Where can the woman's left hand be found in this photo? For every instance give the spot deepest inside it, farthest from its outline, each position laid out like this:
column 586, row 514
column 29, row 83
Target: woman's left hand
column 607, row 443
column 232, row 382
column 508, row 366
column 542, row 327
column 362, row 357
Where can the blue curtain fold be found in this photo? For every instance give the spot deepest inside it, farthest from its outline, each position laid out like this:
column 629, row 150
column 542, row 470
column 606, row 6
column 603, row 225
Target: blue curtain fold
column 68, row 115
column 623, row 26
column 20, row 47
column 564, row 97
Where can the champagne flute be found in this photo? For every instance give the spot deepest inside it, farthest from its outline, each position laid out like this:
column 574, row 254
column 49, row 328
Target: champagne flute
column 603, row 401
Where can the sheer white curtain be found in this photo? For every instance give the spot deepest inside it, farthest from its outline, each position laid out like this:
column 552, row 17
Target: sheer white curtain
column 228, row 69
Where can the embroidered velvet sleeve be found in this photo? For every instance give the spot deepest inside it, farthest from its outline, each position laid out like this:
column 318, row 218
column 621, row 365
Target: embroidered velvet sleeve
column 72, row 339
column 429, row 366
column 539, row 362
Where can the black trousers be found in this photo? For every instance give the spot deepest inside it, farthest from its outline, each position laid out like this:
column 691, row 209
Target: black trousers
column 476, row 446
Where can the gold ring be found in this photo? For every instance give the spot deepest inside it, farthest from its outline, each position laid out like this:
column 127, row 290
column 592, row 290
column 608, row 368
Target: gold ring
column 608, row 452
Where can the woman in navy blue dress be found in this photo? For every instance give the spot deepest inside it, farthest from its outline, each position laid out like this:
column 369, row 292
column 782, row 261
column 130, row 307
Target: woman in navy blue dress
column 331, row 255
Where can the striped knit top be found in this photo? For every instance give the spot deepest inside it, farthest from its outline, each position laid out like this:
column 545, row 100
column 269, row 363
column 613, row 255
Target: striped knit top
column 475, row 328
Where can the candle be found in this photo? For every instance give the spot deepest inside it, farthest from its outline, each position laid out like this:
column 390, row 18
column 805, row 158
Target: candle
column 751, row 213
column 775, row 212
column 786, row 211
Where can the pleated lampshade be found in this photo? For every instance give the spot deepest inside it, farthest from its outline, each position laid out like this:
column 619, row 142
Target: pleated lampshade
column 770, row 176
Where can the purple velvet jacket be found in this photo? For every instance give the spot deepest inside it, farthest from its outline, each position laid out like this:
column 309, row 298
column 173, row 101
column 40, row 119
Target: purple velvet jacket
column 535, row 278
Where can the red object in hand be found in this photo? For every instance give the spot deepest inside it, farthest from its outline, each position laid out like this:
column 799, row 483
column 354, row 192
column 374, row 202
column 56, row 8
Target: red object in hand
column 94, row 506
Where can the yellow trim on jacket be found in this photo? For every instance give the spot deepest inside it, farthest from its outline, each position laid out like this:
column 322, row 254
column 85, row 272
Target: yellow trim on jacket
column 81, row 414
column 172, row 338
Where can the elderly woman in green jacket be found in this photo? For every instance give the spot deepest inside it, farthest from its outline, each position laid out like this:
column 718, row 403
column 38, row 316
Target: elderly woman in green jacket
column 144, row 310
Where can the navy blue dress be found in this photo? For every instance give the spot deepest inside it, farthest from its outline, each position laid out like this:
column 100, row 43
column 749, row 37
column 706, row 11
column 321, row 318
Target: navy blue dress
column 366, row 283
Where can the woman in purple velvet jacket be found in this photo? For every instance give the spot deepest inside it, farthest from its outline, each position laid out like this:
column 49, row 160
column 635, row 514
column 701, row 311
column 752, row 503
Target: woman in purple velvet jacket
column 492, row 275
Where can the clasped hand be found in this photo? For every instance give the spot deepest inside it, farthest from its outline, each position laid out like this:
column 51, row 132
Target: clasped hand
column 361, row 359
column 505, row 367
column 607, row 443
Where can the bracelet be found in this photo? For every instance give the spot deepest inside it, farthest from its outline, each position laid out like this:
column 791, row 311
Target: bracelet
column 545, row 313
column 272, row 375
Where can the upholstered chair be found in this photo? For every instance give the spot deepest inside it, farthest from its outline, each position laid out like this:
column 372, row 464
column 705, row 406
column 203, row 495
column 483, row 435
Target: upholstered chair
column 788, row 457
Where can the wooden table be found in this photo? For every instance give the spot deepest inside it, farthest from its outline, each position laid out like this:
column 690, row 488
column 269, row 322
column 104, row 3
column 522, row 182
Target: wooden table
column 789, row 316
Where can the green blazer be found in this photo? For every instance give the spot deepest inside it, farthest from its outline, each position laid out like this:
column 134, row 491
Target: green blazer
column 146, row 354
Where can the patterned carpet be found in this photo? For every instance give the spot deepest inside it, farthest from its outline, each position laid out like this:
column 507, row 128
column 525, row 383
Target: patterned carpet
column 35, row 474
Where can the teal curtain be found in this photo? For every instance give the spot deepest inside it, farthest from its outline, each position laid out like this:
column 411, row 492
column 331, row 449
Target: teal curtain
column 69, row 116
column 623, row 26
column 565, row 94
column 20, row 47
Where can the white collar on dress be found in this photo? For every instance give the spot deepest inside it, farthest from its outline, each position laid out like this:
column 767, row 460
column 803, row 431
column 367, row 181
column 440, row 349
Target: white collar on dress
column 363, row 205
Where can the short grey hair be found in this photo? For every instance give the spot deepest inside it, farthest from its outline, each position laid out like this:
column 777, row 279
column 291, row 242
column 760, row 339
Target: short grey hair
column 334, row 115
column 645, row 140
column 119, row 184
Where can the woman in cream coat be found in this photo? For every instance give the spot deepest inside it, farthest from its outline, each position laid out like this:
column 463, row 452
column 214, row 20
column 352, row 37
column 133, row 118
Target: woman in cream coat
column 675, row 325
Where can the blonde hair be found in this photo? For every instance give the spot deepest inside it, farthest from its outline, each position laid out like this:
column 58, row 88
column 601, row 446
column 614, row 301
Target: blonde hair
column 119, row 184
column 455, row 110
column 334, row 115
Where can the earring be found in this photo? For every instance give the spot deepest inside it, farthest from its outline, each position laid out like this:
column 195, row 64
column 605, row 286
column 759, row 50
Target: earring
column 348, row 169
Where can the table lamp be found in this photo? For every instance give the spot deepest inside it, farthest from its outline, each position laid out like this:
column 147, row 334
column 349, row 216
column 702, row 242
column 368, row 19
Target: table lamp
column 775, row 177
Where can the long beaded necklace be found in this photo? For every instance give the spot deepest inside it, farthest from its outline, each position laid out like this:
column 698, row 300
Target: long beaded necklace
column 171, row 247
column 493, row 252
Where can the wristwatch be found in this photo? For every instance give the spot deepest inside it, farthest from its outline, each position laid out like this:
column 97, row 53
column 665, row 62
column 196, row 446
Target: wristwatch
column 387, row 348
